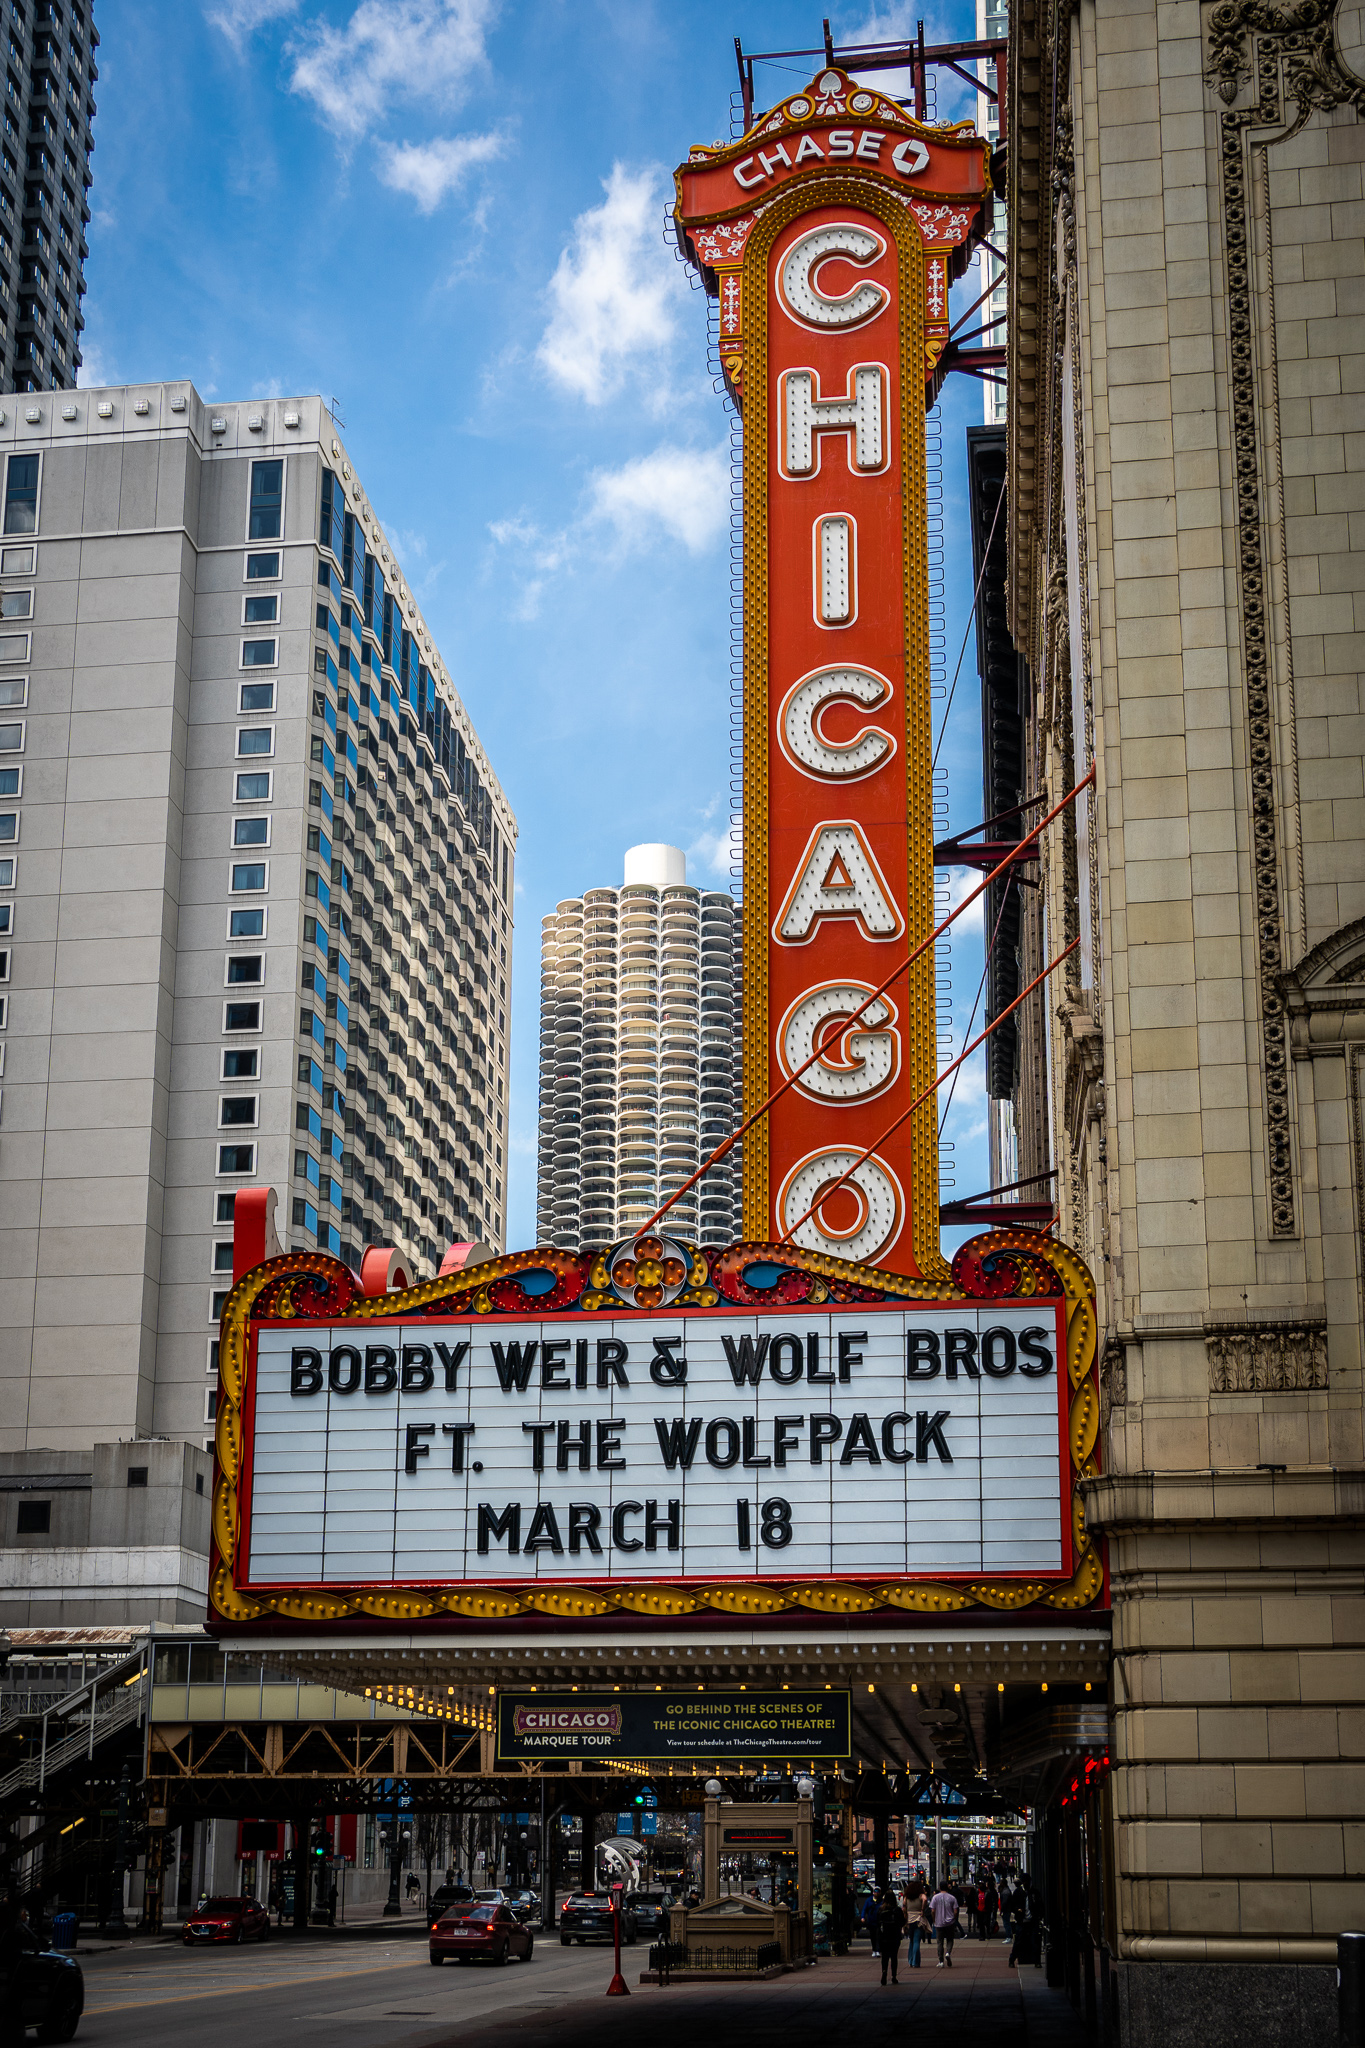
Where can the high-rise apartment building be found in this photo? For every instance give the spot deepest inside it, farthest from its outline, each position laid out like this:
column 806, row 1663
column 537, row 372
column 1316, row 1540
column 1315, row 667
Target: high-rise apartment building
column 255, row 896
column 49, row 86
column 993, row 22
column 639, row 1056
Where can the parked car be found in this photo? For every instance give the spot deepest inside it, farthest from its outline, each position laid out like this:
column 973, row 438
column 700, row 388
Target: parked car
column 445, row 1899
column 586, row 1916
column 51, row 1990
column 487, row 1933
column 524, row 1904
column 650, row 1910
column 227, row 1920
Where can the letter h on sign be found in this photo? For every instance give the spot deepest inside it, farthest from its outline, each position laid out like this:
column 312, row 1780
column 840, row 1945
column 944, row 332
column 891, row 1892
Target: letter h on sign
column 858, row 413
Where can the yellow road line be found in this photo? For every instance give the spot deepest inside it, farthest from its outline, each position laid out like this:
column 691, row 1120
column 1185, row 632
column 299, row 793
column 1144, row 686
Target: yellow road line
column 238, row 1991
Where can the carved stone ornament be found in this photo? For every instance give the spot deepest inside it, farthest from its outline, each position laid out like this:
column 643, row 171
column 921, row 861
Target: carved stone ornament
column 1305, row 32
column 1290, row 54
column 1266, row 1358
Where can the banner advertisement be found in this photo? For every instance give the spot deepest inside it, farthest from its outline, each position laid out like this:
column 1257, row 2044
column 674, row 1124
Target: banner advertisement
column 674, row 1725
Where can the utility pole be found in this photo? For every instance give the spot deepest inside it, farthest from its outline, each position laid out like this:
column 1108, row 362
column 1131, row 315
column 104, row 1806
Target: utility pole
column 115, row 1927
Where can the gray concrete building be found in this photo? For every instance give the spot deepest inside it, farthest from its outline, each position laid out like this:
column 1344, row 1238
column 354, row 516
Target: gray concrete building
column 49, row 83
column 639, row 1056
column 255, row 896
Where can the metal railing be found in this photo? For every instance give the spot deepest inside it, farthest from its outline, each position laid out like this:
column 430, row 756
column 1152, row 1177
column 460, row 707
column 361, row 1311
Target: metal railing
column 667, row 1956
column 107, row 1703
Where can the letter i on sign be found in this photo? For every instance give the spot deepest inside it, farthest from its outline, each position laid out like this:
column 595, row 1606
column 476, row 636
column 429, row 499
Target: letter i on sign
column 843, row 223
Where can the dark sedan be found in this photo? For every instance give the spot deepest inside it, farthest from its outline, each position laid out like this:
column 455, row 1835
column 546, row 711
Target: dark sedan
column 490, row 1934
column 448, row 1898
column 51, row 1991
column 234, row 1920
column 650, row 1912
column 586, row 1916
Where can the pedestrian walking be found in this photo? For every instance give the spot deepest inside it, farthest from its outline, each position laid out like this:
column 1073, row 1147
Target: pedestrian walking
column 868, row 1918
column 943, row 1907
column 1024, row 1947
column 332, row 1904
column 914, row 1900
column 890, row 1933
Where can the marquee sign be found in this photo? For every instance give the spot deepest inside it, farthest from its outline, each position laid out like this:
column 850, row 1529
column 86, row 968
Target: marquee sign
column 656, row 1431
column 831, row 234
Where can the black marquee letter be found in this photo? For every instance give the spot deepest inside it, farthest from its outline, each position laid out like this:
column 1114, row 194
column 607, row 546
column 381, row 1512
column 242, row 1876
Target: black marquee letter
column 305, row 1371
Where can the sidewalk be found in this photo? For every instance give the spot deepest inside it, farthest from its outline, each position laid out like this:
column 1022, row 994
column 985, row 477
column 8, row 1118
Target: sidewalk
column 979, row 2003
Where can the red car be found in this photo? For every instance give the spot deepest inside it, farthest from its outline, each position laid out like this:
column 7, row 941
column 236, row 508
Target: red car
column 227, row 1920
column 491, row 1932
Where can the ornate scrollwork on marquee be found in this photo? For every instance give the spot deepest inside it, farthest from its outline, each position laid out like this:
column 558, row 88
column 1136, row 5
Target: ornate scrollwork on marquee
column 997, row 1266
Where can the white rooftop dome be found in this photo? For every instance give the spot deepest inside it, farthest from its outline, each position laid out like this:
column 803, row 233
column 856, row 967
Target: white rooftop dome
column 663, row 866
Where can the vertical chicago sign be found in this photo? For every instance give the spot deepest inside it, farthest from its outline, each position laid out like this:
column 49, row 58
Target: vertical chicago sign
column 831, row 234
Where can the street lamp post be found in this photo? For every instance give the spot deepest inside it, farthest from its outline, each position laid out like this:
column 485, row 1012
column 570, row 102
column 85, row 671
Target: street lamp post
column 392, row 1907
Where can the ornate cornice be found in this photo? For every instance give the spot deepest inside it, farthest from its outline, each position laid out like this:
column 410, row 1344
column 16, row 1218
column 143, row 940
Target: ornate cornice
column 1266, row 1358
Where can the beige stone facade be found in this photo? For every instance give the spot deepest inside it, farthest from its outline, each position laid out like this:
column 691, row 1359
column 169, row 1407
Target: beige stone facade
column 1187, row 584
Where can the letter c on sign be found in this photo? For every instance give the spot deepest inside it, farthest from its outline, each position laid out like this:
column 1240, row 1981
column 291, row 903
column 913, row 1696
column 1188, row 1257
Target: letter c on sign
column 806, row 746
column 802, row 296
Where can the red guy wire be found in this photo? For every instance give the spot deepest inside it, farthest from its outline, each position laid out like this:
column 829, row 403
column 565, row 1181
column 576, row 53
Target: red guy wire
column 932, row 1089
column 875, row 996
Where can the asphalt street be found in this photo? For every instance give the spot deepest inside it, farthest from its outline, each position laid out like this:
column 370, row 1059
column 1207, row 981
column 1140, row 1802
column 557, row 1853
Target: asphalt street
column 340, row 1993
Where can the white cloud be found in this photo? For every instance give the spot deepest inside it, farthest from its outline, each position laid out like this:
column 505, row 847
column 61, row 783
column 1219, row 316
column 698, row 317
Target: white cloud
column 718, row 852
column 961, row 882
column 686, row 491
column 389, row 50
column 614, row 291
column 430, row 170
column 239, row 19
column 675, row 494
column 94, row 371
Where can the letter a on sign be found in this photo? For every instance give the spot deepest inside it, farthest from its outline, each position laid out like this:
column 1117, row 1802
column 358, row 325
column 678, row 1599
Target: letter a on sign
column 838, row 877
column 831, row 235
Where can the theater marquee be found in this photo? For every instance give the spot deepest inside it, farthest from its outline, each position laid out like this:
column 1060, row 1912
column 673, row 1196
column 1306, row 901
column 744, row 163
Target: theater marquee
column 776, row 1430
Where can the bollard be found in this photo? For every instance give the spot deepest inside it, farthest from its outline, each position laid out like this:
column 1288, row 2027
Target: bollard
column 1351, row 1990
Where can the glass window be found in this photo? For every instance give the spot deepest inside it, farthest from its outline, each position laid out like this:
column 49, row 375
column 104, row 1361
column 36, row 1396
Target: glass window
column 247, row 875
column 14, row 646
column 241, row 1017
column 12, row 738
column 258, row 654
column 9, row 826
column 14, row 692
column 246, row 924
column 260, row 611
column 222, row 1257
column 241, row 1065
column 21, row 494
column 267, row 499
column 16, row 604
column 246, row 967
column 236, row 1158
column 6, row 917
column 257, row 697
column 237, row 1109
column 16, row 561
column 11, row 781
column 253, row 789
column 258, row 567
column 7, row 872
column 251, row 831
column 258, row 739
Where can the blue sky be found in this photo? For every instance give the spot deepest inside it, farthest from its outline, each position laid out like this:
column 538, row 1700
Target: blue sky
column 449, row 215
